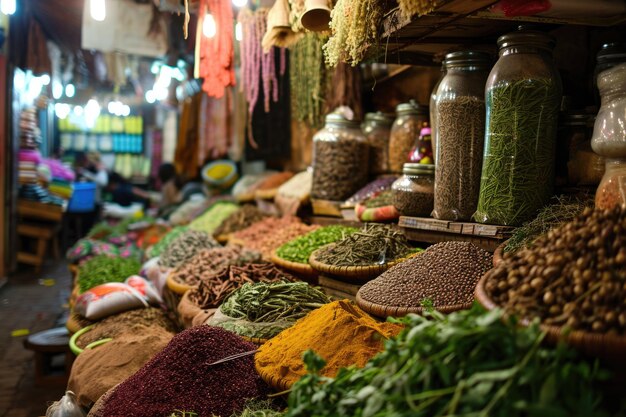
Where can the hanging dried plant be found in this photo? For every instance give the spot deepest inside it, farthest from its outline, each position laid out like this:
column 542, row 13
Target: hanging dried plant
column 354, row 25
column 309, row 78
column 410, row 8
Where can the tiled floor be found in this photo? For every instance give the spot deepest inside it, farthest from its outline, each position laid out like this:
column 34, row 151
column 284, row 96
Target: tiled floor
column 26, row 303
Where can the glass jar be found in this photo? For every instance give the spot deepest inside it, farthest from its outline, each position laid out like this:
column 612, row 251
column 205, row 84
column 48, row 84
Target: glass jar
column 431, row 107
column 523, row 94
column 460, row 108
column 612, row 189
column 410, row 119
column 340, row 159
column 422, row 150
column 609, row 55
column 377, row 128
column 609, row 133
column 413, row 192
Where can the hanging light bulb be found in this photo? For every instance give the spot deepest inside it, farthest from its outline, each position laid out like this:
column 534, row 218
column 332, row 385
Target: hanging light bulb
column 8, row 7
column 98, row 11
column 238, row 32
column 209, row 28
column 240, row 3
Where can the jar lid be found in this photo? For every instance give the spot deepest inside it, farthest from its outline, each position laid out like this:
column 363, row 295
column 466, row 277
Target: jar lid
column 379, row 118
column 340, row 120
column 411, row 168
column 611, row 54
column 412, row 107
column 525, row 37
column 466, row 59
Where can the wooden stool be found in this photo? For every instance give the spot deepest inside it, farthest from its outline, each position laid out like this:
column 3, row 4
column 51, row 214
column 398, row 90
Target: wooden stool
column 47, row 345
column 44, row 234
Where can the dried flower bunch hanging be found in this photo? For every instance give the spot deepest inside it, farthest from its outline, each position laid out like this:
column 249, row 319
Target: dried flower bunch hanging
column 309, row 78
column 258, row 68
column 410, row 8
column 354, row 25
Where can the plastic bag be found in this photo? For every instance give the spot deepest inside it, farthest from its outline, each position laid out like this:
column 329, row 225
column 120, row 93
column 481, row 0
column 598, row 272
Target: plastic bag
column 66, row 407
column 260, row 330
column 113, row 297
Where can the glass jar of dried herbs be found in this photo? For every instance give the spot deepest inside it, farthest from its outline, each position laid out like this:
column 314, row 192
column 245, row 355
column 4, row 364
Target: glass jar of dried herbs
column 410, row 119
column 460, row 109
column 413, row 193
column 523, row 94
column 340, row 159
column 377, row 128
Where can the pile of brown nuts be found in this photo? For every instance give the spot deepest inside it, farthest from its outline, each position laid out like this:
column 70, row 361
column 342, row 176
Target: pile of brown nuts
column 573, row 276
column 445, row 274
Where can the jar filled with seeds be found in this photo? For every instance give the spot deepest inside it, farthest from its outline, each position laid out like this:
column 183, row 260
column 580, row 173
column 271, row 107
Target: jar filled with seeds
column 523, row 95
column 410, row 119
column 377, row 128
column 460, row 109
column 413, row 193
column 340, row 159
column 612, row 189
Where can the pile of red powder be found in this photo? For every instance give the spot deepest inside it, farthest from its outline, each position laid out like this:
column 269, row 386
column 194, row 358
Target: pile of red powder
column 181, row 378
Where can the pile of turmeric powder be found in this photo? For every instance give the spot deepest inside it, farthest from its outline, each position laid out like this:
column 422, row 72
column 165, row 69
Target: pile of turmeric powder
column 340, row 332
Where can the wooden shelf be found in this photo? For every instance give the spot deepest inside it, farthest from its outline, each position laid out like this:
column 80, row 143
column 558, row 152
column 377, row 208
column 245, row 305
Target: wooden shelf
column 458, row 24
column 428, row 230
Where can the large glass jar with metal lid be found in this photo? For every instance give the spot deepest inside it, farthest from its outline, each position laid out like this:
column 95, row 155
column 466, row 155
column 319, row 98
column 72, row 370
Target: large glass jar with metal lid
column 377, row 128
column 413, row 192
column 460, row 108
column 523, row 94
column 410, row 118
column 609, row 136
column 340, row 159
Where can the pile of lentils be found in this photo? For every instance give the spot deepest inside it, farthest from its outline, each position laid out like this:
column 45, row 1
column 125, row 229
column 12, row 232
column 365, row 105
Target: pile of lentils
column 573, row 276
column 185, row 247
column 445, row 274
column 211, row 261
column 371, row 245
column 182, row 377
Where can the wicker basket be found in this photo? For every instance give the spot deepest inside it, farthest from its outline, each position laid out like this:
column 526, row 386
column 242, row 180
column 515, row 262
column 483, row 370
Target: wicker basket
column 256, row 340
column 499, row 253
column 268, row 194
column 300, row 269
column 605, row 346
column 383, row 311
column 273, row 380
column 176, row 286
column 356, row 273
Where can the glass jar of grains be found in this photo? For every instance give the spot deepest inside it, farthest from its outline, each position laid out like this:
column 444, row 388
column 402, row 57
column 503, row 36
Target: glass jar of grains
column 460, row 109
column 523, row 94
column 410, row 119
column 431, row 107
column 377, row 128
column 609, row 137
column 413, row 192
column 340, row 159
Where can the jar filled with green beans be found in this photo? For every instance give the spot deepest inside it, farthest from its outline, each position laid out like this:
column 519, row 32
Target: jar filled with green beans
column 523, row 94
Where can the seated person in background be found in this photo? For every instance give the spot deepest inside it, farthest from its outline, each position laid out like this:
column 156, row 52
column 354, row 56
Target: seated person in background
column 124, row 193
column 170, row 186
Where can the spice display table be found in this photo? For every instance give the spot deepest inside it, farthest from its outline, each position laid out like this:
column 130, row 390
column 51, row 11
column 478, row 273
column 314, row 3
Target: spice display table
column 486, row 236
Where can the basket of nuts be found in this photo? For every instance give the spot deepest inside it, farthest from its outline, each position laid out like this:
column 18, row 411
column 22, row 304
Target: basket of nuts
column 573, row 280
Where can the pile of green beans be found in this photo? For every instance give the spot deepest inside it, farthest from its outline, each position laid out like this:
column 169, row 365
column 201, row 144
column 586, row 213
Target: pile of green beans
column 279, row 304
column 102, row 269
column 300, row 249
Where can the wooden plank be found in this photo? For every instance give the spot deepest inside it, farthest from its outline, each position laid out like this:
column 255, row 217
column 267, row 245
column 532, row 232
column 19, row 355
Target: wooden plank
column 326, row 207
column 330, row 221
column 34, row 210
column 338, row 294
column 462, row 228
column 334, row 284
column 431, row 236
